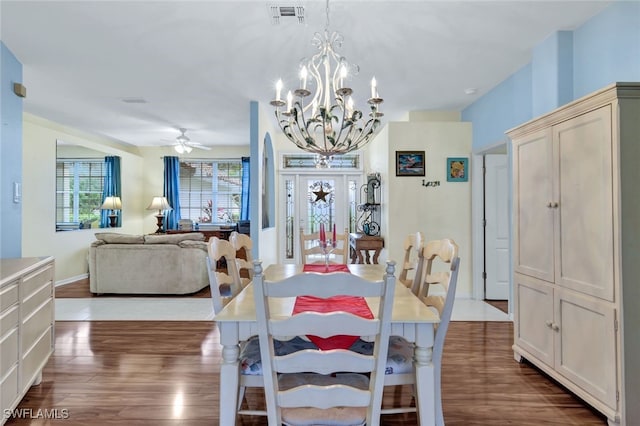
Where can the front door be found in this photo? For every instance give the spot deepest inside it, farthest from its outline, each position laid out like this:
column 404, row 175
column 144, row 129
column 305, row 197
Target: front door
column 317, row 199
column 324, row 202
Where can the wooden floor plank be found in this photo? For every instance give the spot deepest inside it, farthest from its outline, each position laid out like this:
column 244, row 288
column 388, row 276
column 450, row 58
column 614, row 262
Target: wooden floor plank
column 167, row 373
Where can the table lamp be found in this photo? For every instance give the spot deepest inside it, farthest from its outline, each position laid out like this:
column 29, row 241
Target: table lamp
column 161, row 204
column 112, row 204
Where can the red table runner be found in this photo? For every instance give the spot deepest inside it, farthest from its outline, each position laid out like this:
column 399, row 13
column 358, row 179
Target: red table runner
column 354, row 305
column 325, row 268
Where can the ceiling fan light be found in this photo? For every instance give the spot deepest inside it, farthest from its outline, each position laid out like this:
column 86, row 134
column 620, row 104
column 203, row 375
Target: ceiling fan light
column 179, row 149
column 187, row 149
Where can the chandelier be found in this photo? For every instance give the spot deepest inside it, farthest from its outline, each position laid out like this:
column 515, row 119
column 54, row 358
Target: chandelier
column 326, row 121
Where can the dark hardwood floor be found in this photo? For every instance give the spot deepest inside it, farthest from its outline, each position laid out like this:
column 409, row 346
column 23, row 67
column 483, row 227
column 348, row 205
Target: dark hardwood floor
column 80, row 289
column 166, row 373
column 503, row 305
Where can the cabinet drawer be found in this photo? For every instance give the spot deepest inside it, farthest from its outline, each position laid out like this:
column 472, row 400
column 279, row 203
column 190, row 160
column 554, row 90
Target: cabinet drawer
column 36, row 324
column 34, row 360
column 35, row 280
column 9, row 388
column 9, row 351
column 8, row 296
column 9, row 319
column 35, row 299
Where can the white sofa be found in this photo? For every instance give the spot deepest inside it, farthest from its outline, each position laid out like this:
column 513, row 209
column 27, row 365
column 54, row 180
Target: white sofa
column 148, row 264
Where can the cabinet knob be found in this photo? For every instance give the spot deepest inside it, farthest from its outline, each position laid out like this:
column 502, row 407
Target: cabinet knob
column 549, row 204
column 555, row 205
column 555, row 327
column 548, row 323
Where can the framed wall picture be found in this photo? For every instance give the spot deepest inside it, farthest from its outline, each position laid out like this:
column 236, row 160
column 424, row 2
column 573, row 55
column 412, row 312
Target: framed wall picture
column 457, row 169
column 410, row 163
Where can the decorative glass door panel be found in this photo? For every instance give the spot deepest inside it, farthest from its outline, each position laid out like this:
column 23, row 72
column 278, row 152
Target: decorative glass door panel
column 318, row 208
column 311, row 200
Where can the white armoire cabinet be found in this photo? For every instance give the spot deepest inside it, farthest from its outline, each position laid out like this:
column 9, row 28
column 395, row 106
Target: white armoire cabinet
column 576, row 206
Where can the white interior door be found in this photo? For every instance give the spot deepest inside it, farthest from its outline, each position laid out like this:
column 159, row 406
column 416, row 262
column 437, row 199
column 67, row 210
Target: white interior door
column 496, row 228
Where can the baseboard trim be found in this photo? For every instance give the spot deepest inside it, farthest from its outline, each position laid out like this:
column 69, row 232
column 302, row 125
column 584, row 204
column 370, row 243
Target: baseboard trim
column 72, row 279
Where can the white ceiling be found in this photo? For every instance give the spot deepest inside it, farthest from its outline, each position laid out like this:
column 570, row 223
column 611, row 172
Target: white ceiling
column 197, row 64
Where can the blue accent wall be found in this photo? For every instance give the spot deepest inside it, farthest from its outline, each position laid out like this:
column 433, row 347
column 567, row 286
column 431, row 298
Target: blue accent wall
column 10, row 155
column 254, row 166
column 506, row 106
column 552, row 72
column 564, row 67
column 607, row 48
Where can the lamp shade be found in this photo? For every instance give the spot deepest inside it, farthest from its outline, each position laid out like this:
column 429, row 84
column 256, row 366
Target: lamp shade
column 159, row 203
column 111, row 203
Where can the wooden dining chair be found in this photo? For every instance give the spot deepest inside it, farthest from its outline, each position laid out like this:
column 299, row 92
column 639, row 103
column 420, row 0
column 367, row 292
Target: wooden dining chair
column 244, row 259
column 224, row 283
column 311, row 252
column 412, row 247
column 400, row 363
column 316, row 387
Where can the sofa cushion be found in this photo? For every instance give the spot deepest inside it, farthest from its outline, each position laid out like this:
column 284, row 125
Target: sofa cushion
column 193, row 244
column 173, row 238
column 115, row 238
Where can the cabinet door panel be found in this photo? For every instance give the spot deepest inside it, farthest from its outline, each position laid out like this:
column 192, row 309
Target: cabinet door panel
column 534, row 316
column 533, row 222
column 584, row 192
column 586, row 344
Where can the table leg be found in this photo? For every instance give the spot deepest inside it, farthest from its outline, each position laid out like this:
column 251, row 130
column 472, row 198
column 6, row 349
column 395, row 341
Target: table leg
column 368, row 259
column 425, row 378
column 229, row 373
column 375, row 256
column 360, row 258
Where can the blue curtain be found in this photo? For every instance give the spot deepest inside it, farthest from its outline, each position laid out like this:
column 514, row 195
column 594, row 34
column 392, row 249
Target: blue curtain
column 111, row 188
column 244, row 196
column 172, row 191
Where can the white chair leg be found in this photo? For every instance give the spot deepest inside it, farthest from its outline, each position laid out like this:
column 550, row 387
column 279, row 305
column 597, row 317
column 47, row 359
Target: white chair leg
column 240, row 396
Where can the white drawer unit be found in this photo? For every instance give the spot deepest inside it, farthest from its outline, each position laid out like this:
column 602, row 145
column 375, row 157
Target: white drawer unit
column 26, row 326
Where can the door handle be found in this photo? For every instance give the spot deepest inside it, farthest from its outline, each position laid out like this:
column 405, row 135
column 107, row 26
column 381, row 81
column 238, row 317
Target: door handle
column 555, row 327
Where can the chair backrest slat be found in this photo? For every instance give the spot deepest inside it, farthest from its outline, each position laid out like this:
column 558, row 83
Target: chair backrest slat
column 311, row 252
column 412, row 248
column 228, row 279
column 320, row 365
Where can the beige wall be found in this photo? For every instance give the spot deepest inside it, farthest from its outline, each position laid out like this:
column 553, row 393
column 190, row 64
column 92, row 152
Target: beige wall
column 39, row 236
column 268, row 241
column 439, row 212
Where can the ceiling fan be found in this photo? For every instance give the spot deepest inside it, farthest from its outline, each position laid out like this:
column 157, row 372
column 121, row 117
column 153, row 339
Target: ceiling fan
column 184, row 144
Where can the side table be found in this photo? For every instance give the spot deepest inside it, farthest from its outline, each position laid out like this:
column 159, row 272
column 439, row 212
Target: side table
column 361, row 244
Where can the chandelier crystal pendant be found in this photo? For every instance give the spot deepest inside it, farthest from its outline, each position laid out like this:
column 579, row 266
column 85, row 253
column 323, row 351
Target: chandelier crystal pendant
column 326, row 121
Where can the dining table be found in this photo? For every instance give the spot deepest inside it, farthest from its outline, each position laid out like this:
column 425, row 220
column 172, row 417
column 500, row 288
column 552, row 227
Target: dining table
column 411, row 319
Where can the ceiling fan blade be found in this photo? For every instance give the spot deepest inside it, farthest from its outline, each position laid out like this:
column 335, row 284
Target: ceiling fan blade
column 199, row 146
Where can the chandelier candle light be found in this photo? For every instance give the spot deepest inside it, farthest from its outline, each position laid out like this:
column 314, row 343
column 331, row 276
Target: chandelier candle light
column 326, row 121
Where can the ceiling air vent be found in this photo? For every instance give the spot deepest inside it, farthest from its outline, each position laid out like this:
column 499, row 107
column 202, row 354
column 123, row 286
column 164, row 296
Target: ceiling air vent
column 134, row 100
column 282, row 14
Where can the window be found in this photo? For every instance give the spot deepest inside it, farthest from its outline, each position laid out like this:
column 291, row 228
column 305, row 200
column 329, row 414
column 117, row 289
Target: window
column 79, row 185
column 210, row 190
